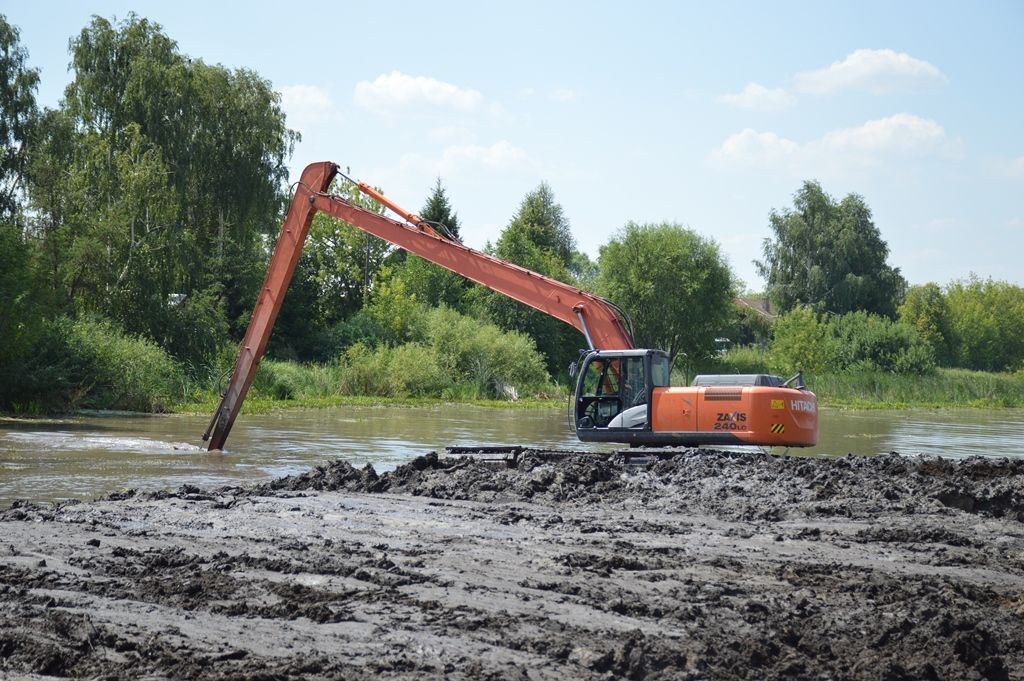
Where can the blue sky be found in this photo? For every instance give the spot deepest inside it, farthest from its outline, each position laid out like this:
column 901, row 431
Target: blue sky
column 705, row 114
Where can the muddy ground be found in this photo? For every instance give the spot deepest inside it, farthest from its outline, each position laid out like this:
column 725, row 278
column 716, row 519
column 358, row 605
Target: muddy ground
column 701, row 566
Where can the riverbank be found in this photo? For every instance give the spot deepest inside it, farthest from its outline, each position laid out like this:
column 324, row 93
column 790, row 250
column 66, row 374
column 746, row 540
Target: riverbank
column 263, row 404
column 702, row 566
column 283, row 385
column 943, row 389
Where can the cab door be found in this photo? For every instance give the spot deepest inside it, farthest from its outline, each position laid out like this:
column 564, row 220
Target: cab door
column 598, row 392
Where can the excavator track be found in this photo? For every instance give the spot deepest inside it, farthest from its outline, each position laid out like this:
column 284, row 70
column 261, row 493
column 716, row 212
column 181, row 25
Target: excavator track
column 510, row 456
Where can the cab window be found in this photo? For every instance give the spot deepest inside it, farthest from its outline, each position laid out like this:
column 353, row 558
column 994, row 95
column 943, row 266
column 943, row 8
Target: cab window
column 634, row 388
column 602, row 377
column 660, row 370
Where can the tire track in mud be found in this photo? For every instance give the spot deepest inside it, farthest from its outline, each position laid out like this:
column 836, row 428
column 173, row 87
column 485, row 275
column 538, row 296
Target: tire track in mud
column 698, row 567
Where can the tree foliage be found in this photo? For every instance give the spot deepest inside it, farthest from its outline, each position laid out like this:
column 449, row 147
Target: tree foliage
column 439, row 213
column 829, row 255
column 538, row 238
column 926, row 309
column 974, row 323
column 18, row 113
column 137, row 219
column 540, row 221
column 857, row 341
column 19, row 319
column 345, row 259
column 155, row 183
column 674, row 284
column 986, row 321
column 429, row 283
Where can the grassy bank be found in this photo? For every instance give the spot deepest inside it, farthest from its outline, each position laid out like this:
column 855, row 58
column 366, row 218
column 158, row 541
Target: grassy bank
column 88, row 365
column 281, row 384
column 876, row 389
column 944, row 388
column 262, row 404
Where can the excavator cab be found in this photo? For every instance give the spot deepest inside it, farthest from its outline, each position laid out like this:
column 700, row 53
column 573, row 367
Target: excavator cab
column 626, row 396
column 613, row 388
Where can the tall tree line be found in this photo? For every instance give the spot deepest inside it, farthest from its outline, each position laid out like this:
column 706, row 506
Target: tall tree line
column 149, row 196
column 149, row 189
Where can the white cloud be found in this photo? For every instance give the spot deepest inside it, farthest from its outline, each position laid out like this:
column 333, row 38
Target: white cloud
column 305, row 104
column 499, row 156
column 470, row 158
column 750, row 148
column 900, row 135
column 759, row 98
column 876, row 71
column 396, row 92
column 562, row 95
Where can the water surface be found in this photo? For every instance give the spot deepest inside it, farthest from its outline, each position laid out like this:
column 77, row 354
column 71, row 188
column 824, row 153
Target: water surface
column 89, row 456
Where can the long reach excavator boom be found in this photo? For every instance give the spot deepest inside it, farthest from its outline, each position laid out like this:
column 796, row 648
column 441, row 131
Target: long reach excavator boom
column 598, row 319
column 623, row 394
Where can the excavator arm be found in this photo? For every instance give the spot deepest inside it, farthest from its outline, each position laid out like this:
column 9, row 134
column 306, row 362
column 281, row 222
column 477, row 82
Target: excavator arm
column 596, row 318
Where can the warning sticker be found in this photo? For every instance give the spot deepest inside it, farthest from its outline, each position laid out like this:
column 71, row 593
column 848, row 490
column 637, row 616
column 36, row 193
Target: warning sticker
column 778, row 404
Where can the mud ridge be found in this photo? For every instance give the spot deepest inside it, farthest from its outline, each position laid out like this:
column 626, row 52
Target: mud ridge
column 703, row 565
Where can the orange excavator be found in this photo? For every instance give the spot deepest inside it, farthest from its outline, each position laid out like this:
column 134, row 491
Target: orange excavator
column 623, row 393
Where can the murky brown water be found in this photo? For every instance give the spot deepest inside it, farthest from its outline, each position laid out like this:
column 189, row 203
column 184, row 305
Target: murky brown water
column 89, row 456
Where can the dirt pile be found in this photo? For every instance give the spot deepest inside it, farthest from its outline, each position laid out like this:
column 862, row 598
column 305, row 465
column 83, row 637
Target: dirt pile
column 700, row 566
column 579, row 478
column 726, row 484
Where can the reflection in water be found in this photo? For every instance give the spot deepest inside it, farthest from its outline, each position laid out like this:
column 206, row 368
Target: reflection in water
column 90, row 456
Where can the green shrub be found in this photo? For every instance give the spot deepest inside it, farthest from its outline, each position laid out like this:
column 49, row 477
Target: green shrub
column 364, row 371
column 987, row 322
column 286, row 380
column 860, row 339
column 91, row 365
column 410, row 370
column 414, row 371
column 276, row 379
column 459, row 357
column 479, row 353
column 926, row 309
column 330, row 343
column 800, row 342
column 121, row 372
column 856, row 341
column 397, row 313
